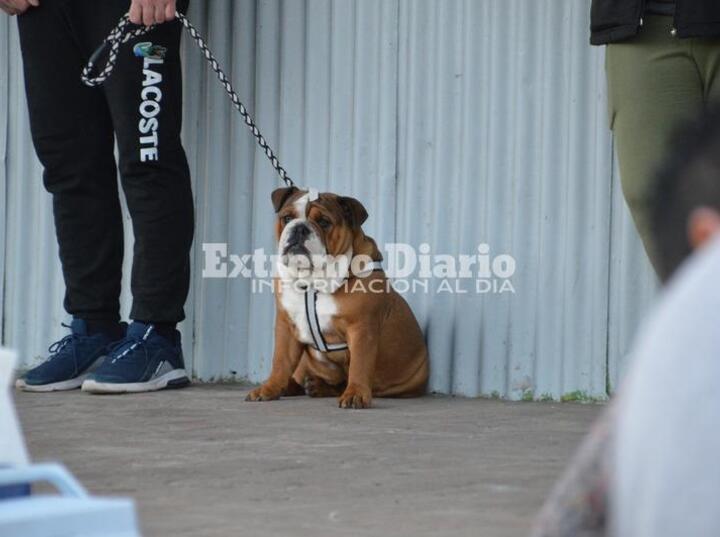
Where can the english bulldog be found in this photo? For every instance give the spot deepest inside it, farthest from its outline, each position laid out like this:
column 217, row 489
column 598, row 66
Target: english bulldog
column 340, row 328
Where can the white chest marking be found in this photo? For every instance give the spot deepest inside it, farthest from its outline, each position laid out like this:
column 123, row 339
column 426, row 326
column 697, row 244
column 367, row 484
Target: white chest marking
column 294, row 303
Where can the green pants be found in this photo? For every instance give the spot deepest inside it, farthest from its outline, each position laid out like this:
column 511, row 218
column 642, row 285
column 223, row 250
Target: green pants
column 655, row 81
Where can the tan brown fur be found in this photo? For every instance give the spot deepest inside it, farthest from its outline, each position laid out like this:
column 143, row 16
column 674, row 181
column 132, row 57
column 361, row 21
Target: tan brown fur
column 387, row 356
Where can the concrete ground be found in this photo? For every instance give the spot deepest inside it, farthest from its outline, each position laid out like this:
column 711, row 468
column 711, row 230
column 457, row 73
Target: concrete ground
column 202, row 462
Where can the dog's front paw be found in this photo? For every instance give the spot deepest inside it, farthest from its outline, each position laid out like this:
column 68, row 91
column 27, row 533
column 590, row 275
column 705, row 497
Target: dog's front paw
column 355, row 397
column 264, row 393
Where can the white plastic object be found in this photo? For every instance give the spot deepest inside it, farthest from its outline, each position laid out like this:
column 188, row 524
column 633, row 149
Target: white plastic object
column 12, row 446
column 73, row 512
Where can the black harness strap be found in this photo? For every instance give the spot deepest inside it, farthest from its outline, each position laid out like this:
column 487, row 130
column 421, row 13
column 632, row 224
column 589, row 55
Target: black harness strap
column 314, row 323
column 311, row 296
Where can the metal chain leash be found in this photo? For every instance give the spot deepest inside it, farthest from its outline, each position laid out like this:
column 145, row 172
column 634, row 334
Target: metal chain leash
column 125, row 30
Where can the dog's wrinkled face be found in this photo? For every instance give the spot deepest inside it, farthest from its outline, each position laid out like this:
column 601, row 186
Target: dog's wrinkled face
column 314, row 231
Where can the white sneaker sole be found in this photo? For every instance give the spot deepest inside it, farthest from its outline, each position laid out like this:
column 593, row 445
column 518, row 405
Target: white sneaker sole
column 168, row 380
column 64, row 386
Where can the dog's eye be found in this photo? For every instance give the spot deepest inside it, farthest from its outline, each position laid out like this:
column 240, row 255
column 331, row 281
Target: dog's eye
column 287, row 219
column 324, row 222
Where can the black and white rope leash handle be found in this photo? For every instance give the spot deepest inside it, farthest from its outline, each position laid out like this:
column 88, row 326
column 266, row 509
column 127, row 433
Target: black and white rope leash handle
column 125, row 30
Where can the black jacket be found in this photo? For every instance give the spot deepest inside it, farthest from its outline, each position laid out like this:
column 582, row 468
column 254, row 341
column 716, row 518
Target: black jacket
column 616, row 20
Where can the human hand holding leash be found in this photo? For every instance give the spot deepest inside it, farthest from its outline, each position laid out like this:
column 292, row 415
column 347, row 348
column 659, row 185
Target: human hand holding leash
column 149, row 12
column 18, row 7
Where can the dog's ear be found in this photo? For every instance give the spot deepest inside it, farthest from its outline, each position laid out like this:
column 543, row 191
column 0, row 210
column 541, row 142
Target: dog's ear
column 281, row 195
column 354, row 210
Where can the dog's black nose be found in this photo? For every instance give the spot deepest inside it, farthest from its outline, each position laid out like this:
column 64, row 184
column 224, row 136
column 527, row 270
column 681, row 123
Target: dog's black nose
column 298, row 235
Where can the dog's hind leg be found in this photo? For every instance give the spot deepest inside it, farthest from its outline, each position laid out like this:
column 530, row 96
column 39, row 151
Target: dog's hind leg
column 295, row 385
column 318, row 379
column 317, row 387
column 293, row 389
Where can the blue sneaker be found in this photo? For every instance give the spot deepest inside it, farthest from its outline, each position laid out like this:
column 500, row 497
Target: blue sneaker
column 144, row 361
column 71, row 360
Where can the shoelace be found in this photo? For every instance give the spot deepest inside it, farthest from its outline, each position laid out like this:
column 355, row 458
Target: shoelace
column 58, row 346
column 131, row 344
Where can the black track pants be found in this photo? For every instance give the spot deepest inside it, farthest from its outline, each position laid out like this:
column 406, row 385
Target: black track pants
column 74, row 129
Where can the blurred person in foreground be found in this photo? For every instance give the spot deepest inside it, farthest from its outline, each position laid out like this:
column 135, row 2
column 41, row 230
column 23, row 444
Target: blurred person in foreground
column 649, row 465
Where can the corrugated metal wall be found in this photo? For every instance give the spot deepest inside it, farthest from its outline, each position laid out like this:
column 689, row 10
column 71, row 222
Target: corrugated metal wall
column 455, row 122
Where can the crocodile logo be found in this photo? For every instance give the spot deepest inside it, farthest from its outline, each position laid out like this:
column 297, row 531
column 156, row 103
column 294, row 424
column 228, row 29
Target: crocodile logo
column 148, row 50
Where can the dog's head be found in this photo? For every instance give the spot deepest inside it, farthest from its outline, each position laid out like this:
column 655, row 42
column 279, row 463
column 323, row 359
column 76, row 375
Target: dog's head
column 315, row 230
